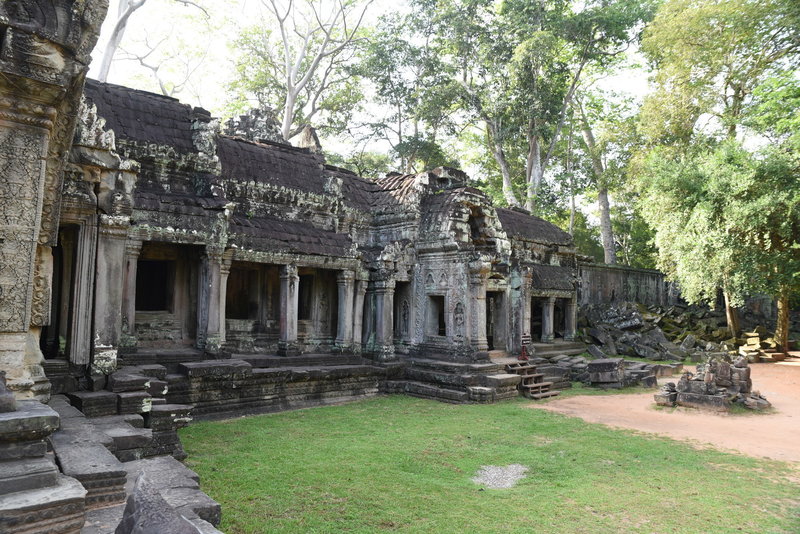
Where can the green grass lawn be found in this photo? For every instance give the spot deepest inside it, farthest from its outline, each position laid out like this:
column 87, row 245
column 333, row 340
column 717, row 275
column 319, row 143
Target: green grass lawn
column 403, row 464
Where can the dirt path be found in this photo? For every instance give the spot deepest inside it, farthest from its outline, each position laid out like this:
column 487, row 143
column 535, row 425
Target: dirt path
column 775, row 435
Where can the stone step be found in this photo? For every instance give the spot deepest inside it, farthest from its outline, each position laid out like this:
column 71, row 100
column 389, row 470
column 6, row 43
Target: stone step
column 304, row 360
column 83, row 458
column 428, row 391
column 168, row 358
column 538, row 385
column 27, row 474
column 94, row 403
column 58, row 508
column 543, row 395
column 533, row 377
column 457, row 367
column 129, row 438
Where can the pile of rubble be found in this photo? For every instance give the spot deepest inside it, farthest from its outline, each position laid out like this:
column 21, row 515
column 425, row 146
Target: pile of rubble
column 717, row 385
column 674, row 333
column 563, row 369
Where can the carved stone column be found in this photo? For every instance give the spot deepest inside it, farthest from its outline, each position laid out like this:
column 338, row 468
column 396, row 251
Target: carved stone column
column 477, row 284
column 571, row 319
column 109, row 276
column 384, row 319
column 132, row 251
column 344, row 330
column 210, row 322
column 287, row 344
column 548, row 306
column 358, row 315
column 224, row 271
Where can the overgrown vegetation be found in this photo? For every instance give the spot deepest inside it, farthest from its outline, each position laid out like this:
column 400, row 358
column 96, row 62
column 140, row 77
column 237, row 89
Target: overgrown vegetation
column 403, row 464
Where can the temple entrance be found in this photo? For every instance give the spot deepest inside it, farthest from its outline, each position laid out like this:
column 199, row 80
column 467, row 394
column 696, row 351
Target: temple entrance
column 536, row 318
column 252, row 306
column 56, row 337
column 166, row 295
column 495, row 320
column 317, row 306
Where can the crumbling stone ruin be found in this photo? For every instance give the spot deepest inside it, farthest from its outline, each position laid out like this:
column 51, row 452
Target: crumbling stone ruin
column 676, row 333
column 718, row 384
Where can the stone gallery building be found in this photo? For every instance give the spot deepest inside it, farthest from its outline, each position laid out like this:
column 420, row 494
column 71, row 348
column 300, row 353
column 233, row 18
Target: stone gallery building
column 172, row 235
column 154, row 265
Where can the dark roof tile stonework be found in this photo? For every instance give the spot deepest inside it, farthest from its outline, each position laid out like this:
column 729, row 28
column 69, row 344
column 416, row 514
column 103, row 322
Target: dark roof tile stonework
column 273, row 163
column 553, row 277
column 267, row 233
column 517, row 224
column 144, row 117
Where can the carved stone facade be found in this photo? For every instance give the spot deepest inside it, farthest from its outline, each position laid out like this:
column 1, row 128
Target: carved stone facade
column 171, row 235
column 230, row 246
column 44, row 53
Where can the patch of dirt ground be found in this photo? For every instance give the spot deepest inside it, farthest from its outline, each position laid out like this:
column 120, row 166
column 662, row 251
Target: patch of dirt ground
column 774, row 435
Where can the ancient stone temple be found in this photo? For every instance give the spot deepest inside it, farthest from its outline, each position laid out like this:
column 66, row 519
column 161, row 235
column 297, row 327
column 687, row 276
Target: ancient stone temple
column 175, row 236
column 156, row 267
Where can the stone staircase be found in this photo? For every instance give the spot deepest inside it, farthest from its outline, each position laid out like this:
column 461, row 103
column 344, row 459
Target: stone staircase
column 532, row 385
column 454, row 381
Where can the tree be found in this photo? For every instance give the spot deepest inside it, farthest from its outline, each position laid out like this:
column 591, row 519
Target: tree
column 726, row 218
column 296, row 60
column 711, row 58
column 517, row 68
column 125, row 10
column 414, row 108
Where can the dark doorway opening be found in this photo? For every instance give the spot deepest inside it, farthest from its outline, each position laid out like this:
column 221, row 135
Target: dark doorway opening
column 154, row 285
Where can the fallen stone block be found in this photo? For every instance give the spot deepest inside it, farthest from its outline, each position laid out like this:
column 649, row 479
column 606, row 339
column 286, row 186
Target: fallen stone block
column 714, row 403
column 146, row 511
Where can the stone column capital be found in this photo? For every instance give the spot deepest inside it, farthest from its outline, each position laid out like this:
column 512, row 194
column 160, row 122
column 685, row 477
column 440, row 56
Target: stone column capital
column 133, row 248
column 289, row 271
column 345, row 277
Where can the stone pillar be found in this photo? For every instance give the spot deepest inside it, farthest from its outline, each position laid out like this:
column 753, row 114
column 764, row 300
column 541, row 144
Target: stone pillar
column 478, row 290
column 344, row 331
column 83, row 295
column 224, row 271
column 571, row 319
column 358, row 315
column 287, row 344
column 211, row 301
column 109, row 276
column 548, row 307
column 384, row 319
column 132, row 251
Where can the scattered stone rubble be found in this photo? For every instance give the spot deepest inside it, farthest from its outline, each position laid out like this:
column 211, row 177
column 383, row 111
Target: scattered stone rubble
column 717, row 385
column 563, row 369
column 674, row 333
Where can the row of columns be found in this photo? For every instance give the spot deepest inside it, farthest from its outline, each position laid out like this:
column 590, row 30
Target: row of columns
column 548, row 324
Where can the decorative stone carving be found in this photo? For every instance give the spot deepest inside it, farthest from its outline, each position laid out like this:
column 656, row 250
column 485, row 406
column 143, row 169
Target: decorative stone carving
column 255, row 125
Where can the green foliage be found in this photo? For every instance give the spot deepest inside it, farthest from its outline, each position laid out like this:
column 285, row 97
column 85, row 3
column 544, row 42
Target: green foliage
column 710, row 57
column 364, row 163
column 405, row 465
column 724, row 218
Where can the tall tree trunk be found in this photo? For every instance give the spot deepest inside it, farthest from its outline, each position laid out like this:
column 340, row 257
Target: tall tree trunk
column 606, row 230
column 288, row 114
column 782, row 323
column 500, row 158
column 126, row 8
column 568, row 167
column 535, row 172
column 731, row 314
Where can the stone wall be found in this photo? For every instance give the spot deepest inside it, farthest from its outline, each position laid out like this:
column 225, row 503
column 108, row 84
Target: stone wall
column 607, row 284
